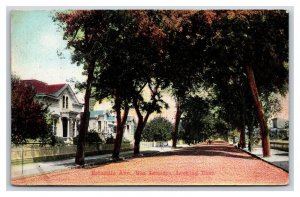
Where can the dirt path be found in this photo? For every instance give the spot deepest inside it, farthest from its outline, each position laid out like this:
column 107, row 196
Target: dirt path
column 216, row 164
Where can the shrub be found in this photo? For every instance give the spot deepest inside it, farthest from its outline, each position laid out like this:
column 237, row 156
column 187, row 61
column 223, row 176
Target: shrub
column 56, row 141
column 110, row 139
column 75, row 140
column 125, row 140
column 92, row 137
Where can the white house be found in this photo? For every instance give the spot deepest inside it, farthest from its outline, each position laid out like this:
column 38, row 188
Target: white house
column 64, row 107
column 104, row 122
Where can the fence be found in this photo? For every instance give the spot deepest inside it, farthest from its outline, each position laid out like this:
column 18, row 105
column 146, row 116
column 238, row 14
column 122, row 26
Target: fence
column 284, row 146
column 25, row 154
column 158, row 143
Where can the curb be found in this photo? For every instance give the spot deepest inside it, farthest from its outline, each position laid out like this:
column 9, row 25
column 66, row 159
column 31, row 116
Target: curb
column 257, row 157
column 110, row 160
column 100, row 162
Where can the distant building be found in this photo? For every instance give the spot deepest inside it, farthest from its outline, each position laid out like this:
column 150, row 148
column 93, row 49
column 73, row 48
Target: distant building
column 104, row 122
column 64, row 107
column 279, row 129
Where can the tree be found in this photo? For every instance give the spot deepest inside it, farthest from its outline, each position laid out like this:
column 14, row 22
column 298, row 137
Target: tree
column 233, row 134
column 183, row 56
column 195, row 122
column 140, row 105
column 156, row 72
column 80, row 32
column 29, row 117
column 158, row 129
column 126, row 69
column 256, row 43
column 114, row 59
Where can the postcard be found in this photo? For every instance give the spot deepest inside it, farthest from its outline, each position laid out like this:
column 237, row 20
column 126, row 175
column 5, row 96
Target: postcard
column 149, row 97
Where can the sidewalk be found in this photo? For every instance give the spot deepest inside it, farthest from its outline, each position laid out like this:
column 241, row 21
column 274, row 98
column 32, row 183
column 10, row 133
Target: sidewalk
column 278, row 158
column 31, row 169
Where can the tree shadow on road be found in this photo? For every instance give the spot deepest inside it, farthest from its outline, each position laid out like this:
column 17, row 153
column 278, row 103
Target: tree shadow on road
column 222, row 150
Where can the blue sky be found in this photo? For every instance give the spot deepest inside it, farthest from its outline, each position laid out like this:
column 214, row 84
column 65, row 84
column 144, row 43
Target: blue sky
column 35, row 40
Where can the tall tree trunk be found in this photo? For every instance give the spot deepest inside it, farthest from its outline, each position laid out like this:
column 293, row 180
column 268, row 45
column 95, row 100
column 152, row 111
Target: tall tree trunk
column 177, row 121
column 242, row 141
column 242, row 131
column 227, row 135
column 85, row 116
column 242, row 137
column 141, row 120
column 250, row 134
column 139, row 129
column 137, row 137
column 262, row 123
column 138, row 133
column 120, row 127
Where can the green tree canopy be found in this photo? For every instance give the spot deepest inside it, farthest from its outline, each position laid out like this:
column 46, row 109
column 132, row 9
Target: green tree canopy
column 28, row 116
column 248, row 57
column 158, row 129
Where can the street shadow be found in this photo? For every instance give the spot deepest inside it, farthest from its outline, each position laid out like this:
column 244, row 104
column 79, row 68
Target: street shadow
column 222, row 150
column 90, row 163
column 282, row 154
column 213, row 150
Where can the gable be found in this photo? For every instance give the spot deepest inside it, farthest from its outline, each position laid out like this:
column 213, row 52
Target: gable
column 67, row 90
column 54, row 91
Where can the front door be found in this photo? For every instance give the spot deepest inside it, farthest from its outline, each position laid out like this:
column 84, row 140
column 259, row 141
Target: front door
column 65, row 127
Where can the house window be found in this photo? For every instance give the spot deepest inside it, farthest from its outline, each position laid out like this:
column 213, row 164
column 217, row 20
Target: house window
column 99, row 125
column 127, row 127
column 67, row 102
column 63, row 103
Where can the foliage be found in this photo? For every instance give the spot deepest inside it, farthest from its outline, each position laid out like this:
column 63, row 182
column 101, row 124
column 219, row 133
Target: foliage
column 92, row 137
column 194, row 120
column 233, row 135
column 29, row 116
column 158, row 129
column 188, row 52
column 125, row 140
column 256, row 38
column 201, row 121
column 246, row 41
column 109, row 139
column 56, row 141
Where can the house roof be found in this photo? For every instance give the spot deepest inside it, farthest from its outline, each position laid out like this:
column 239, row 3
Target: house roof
column 43, row 88
column 53, row 90
column 95, row 114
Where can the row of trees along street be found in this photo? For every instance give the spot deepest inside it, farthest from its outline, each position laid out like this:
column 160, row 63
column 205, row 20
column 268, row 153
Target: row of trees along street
column 224, row 65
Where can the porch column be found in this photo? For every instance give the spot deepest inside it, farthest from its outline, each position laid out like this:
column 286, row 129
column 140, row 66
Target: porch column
column 75, row 128
column 53, row 126
column 70, row 132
